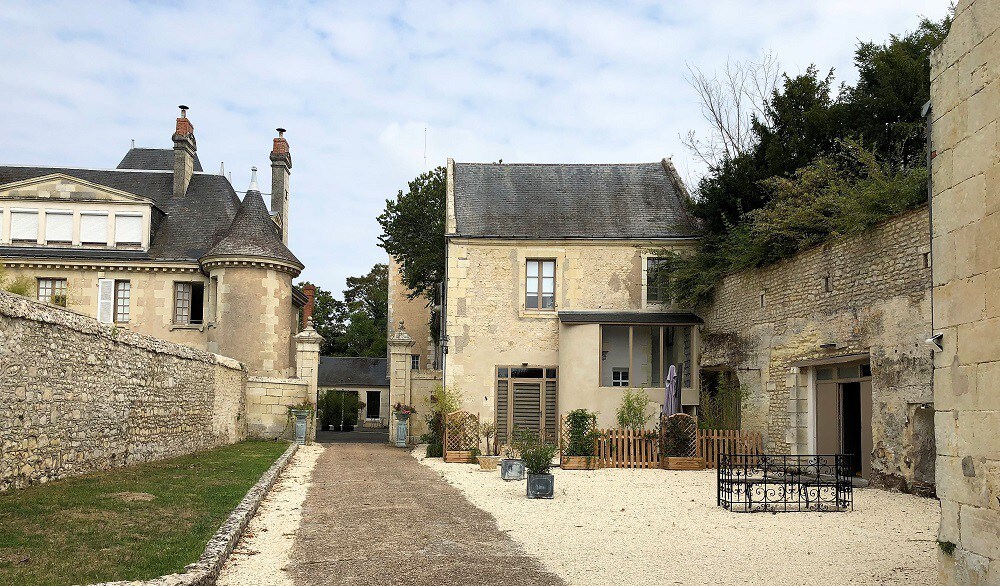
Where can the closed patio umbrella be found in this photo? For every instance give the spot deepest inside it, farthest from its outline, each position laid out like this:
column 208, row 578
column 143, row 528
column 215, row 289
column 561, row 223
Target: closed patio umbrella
column 671, row 394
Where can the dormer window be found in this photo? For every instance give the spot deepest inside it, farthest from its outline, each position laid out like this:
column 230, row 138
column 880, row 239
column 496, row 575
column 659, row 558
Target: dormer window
column 128, row 229
column 24, row 225
column 94, row 228
column 58, row 227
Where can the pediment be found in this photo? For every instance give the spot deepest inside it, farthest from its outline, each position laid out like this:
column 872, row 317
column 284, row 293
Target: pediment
column 62, row 187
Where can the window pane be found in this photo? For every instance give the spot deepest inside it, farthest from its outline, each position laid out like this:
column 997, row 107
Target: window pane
column 128, row 229
column 824, row 374
column 548, row 301
column 657, row 284
column 502, row 373
column 24, row 226
column 550, row 373
column 548, row 285
column 866, row 370
column 614, row 353
column 123, row 293
column 526, row 373
column 531, row 301
column 94, row 228
column 58, row 227
column 532, row 268
column 852, row 371
column 532, row 285
column 549, row 268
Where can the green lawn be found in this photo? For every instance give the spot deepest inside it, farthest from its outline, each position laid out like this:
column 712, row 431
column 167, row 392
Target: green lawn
column 128, row 524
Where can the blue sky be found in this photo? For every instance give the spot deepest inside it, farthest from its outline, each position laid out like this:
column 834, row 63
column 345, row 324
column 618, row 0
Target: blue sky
column 356, row 84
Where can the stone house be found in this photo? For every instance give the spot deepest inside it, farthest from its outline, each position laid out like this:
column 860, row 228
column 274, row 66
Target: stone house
column 159, row 247
column 366, row 377
column 550, row 304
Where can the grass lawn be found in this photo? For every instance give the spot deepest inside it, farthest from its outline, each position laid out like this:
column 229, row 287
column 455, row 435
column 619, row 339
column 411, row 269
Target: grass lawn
column 127, row 524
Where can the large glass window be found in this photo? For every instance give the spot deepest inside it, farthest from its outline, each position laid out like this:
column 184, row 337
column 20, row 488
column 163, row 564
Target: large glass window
column 540, row 284
column 641, row 355
column 657, row 281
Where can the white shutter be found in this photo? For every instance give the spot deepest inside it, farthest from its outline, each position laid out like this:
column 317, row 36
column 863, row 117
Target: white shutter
column 58, row 226
column 94, row 228
column 24, row 225
column 128, row 229
column 105, row 300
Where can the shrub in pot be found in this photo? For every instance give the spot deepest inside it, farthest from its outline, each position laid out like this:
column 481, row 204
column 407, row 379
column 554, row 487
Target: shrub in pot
column 488, row 458
column 537, row 458
column 580, row 441
column 677, row 443
column 350, row 411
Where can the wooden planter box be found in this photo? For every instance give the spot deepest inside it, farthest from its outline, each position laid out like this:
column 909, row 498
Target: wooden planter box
column 578, row 463
column 459, row 457
column 676, row 463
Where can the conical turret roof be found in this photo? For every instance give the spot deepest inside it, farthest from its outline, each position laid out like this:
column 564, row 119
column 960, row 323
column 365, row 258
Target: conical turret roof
column 253, row 234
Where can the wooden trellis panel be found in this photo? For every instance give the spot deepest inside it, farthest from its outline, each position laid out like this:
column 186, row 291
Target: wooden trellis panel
column 461, row 436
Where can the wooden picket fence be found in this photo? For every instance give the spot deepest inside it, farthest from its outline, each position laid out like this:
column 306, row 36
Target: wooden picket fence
column 624, row 448
column 714, row 442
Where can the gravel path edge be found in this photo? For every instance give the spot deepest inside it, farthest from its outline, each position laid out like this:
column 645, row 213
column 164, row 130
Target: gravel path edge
column 206, row 570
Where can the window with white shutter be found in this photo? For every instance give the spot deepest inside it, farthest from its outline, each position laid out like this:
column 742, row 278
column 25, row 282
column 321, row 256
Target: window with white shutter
column 58, row 226
column 128, row 229
column 106, row 300
column 94, row 228
column 23, row 226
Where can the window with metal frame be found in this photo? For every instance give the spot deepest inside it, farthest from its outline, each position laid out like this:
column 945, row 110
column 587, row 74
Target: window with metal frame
column 123, row 298
column 619, row 377
column 52, row 291
column 640, row 355
column 540, row 284
column 414, row 362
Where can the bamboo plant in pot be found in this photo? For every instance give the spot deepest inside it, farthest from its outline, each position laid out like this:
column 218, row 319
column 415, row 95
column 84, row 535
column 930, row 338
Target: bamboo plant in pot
column 537, row 456
column 488, row 458
column 580, row 441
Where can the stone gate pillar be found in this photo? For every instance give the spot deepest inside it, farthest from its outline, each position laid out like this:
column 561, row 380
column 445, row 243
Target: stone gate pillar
column 400, row 347
column 307, row 348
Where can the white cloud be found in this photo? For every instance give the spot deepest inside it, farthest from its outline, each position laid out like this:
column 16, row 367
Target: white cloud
column 357, row 82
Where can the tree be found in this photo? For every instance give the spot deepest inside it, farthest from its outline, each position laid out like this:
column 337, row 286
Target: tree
column 358, row 325
column 413, row 232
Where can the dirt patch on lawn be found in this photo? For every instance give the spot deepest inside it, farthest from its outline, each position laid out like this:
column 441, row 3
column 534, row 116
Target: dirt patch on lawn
column 134, row 497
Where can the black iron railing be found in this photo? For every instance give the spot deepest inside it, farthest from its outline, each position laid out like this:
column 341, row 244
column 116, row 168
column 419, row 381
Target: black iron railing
column 750, row 483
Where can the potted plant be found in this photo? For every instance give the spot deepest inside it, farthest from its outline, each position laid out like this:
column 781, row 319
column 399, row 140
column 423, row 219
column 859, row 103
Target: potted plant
column 537, row 456
column 402, row 412
column 677, row 443
column 580, row 441
column 488, row 459
column 511, row 465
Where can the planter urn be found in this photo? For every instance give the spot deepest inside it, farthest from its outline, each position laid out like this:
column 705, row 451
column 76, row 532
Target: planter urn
column 301, row 425
column 540, row 486
column 401, row 421
column 512, row 469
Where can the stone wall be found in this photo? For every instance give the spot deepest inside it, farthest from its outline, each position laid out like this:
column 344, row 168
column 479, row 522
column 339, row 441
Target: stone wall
column 77, row 396
column 268, row 400
column 414, row 313
column 965, row 180
column 867, row 296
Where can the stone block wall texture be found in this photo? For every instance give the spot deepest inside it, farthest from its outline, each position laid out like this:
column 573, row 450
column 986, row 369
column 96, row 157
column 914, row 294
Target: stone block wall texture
column 764, row 322
column 268, row 400
column 77, row 396
column 965, row 180
column 414, row 313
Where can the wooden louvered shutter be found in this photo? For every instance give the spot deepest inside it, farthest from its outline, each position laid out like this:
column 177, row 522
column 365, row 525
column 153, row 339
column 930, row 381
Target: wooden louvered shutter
column 503, row 410
column 527, row 406
column 106, row 301
column 551, row 411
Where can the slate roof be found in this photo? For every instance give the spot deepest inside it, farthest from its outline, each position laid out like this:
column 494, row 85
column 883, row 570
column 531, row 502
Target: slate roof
column 642, row 200
column 153, row 160
column 190, row 225
column 342, row 371
column 253, row 233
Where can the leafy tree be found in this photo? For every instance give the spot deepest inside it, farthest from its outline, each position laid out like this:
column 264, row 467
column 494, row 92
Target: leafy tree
column 358, row 325
column 413, row 228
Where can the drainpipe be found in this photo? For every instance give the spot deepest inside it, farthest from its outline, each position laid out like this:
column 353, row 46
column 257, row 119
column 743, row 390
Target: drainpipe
column 927, row 111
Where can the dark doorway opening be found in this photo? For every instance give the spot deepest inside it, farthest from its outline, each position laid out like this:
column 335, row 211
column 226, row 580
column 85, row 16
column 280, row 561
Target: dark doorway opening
column 373, row 404
column 850, row 416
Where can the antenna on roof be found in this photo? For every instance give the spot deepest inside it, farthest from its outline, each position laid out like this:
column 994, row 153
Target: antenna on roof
column 222, row 168
column 425, row 148
column 133, row 143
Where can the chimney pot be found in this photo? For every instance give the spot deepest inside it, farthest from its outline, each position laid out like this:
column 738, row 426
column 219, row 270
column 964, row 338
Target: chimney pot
column 281, row 132
column 184, row 110
column 253, row 179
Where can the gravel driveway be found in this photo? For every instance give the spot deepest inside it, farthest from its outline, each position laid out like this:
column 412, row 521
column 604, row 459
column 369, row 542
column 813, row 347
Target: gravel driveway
column 655, row 527
column 374, row 515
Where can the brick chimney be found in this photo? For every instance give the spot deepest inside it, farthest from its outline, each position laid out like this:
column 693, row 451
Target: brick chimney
column 281, row 170
column 184, row 150
column 307, row 310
